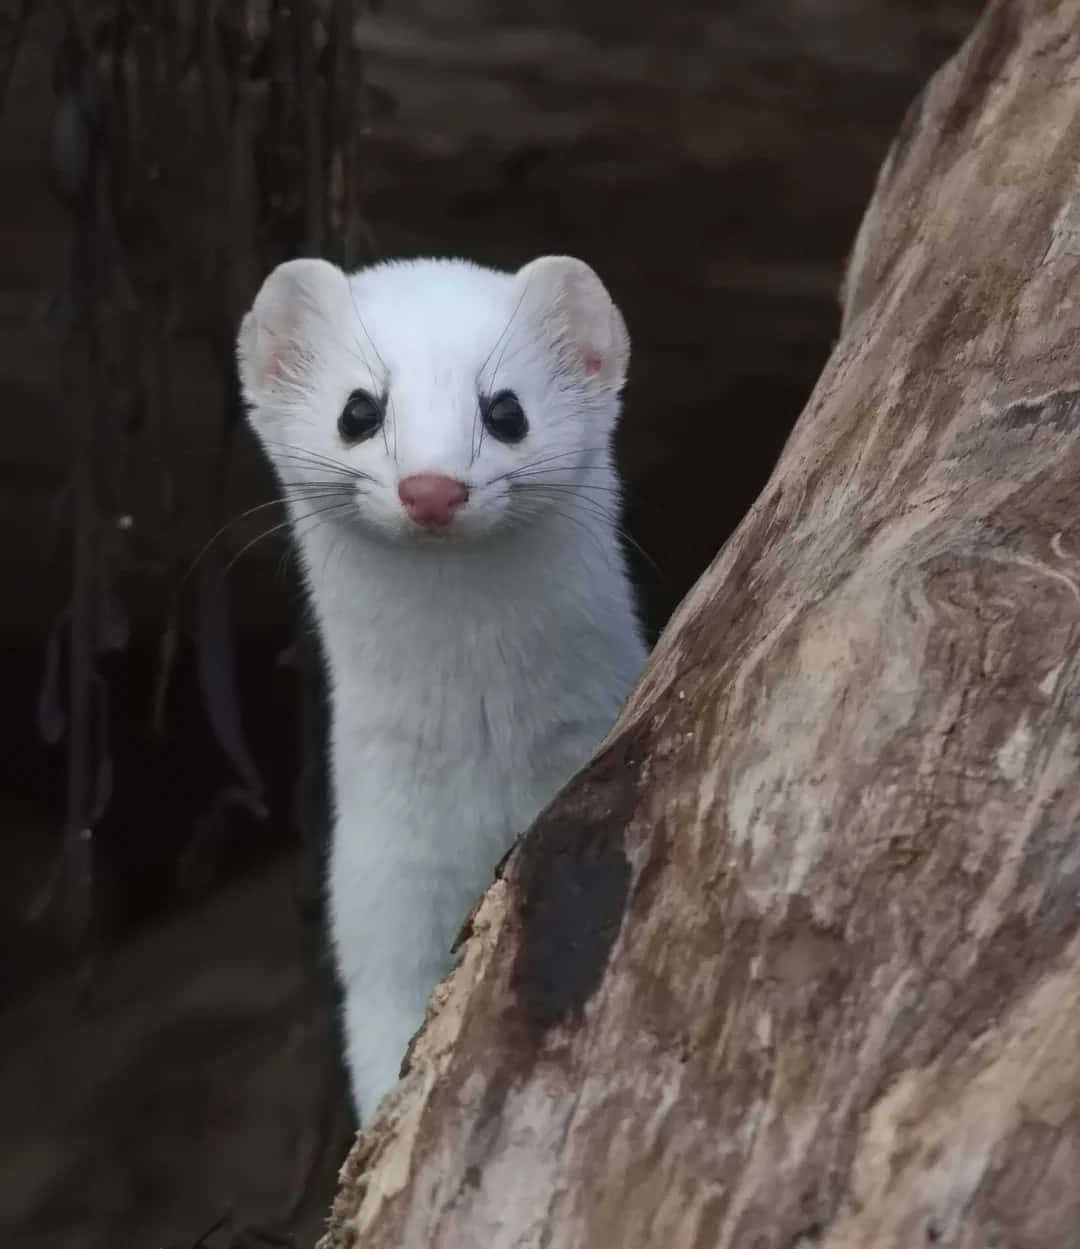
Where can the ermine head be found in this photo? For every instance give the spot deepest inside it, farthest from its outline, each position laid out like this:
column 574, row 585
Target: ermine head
column 437, row 399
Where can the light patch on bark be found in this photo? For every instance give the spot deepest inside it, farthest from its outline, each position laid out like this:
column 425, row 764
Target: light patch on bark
column 840, row 1002
column 931, row 1141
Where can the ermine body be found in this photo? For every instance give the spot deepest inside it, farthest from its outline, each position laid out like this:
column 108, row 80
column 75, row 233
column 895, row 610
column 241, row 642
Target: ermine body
column 443, row 435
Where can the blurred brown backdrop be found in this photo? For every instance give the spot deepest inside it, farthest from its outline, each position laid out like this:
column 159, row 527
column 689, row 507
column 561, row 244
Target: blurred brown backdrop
column 710, row 160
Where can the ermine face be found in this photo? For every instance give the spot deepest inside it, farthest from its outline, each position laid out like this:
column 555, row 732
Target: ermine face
column 435, row 401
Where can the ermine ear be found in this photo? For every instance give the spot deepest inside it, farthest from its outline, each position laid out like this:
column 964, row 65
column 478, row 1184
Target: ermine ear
column 567, row 297
column 278, row 344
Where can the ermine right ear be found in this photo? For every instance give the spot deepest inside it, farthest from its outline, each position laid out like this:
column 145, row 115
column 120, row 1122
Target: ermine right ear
column 278, row 344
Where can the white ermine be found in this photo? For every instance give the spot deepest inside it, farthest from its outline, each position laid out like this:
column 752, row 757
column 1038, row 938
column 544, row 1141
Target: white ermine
column 442, row 433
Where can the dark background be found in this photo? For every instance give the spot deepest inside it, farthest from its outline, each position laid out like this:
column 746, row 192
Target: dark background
column 166, row 1059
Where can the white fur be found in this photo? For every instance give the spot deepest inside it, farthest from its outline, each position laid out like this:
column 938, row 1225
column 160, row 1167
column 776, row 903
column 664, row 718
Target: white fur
column 471, row 674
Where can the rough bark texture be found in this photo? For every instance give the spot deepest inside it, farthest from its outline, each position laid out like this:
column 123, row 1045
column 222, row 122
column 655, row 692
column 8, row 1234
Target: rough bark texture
column 712, row 161
column 795, row 962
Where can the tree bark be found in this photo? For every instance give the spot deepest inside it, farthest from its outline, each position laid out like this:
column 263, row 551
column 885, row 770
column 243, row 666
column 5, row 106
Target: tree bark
column 795, row 962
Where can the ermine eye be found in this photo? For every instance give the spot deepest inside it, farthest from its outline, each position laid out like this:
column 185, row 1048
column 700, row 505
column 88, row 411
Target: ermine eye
column 503, row 416
column 361, row 416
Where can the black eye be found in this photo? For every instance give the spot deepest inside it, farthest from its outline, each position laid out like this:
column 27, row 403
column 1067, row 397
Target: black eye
column 361, row 416
column 503, row 416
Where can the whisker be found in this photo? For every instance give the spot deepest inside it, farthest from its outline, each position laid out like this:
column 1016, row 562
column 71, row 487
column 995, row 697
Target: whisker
column 498, row 341
column 514, row 352
column 387, row 388
column 282, row 566
column 594, row 509
column 620, row 488
column 521, row 469
column 559, row 468
column 562, row 455
column 308, row 451
column 302, row 455
column 599, row 487
column 590, row 507
column 367, row 335
column 266, row 533
column 319, row 473
column 310, row 461
column 629, row 538
column 576, row 520
column 481, row 387
column 313, row 484
column 234, row 520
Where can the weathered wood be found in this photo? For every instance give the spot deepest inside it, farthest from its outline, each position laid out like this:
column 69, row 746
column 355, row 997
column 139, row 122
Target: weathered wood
column 796, row 961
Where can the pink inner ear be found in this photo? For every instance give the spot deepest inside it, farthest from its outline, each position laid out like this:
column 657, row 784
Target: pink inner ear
column 592, row 362
column 282, row 357
column 275, row 367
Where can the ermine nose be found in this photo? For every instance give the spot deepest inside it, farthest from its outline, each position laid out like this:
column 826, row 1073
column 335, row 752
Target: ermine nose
column 432, row 499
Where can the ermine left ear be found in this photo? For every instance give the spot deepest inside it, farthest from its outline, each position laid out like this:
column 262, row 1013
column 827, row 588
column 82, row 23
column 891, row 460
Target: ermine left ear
column 571, row 302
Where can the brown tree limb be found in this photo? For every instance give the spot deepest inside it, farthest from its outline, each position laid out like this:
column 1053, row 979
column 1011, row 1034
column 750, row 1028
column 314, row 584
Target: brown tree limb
column 795, row 962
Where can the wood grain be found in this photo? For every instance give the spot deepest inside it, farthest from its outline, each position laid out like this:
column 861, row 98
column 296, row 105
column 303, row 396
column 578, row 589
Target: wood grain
column 795, row 963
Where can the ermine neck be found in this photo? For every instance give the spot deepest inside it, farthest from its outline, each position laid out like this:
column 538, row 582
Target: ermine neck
column 455, row 614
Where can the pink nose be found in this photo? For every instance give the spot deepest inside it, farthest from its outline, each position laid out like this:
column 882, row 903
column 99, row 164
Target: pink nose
column 432, row 499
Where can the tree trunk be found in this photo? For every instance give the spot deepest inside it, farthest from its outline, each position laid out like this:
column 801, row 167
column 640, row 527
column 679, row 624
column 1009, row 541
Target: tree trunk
column 795, row 962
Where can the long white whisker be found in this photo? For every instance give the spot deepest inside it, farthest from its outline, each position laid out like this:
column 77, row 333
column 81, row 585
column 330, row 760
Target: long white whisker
column 521, row 469
column 367, row 335
column 338, row 481
column 592, row 508
column 328, row 466
column 498, row 341
column 559, row 468
column 295, row 451
column 321, row 511
column 559, row 455
column 317, row 493
column 598, row 487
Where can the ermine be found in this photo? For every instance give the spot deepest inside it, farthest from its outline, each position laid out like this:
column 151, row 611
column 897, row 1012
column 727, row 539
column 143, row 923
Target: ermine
column 443, row 436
